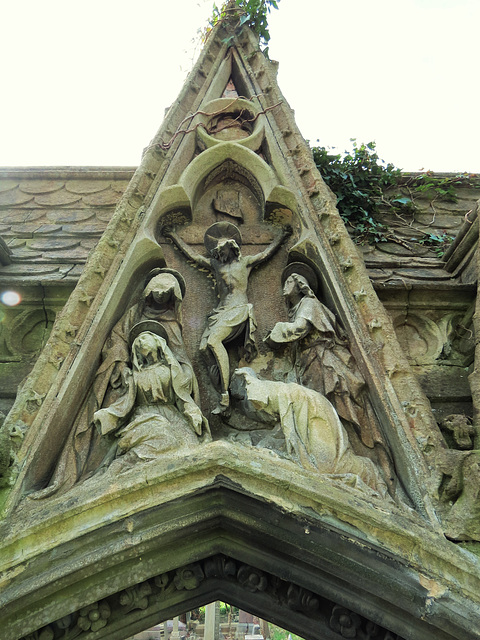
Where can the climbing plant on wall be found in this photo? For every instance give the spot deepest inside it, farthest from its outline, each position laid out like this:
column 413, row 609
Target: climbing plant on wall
column 359, row 179
column 367, row 188
column 253, row 13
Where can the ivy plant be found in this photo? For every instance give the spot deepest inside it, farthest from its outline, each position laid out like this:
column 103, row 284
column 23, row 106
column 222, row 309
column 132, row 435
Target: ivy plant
column 359, row 180
column 366, row 188
column 253, row 13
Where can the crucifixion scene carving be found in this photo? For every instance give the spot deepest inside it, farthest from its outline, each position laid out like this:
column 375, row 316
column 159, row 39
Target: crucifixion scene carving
column 221, row 390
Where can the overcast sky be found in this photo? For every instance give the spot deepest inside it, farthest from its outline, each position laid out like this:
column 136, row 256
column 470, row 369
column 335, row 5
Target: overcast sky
column 87, row 83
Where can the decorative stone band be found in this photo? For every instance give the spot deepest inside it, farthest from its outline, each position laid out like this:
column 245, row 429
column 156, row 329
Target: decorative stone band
column 126, row 609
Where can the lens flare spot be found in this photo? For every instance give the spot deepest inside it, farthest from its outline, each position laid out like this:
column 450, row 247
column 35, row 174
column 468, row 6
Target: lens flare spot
column 10, row 298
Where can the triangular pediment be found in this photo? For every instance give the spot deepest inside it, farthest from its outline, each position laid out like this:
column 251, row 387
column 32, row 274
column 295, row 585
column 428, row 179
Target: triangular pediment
column 287, row 431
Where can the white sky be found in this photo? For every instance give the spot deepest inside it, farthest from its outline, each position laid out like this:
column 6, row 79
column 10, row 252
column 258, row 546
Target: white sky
column 87, row 83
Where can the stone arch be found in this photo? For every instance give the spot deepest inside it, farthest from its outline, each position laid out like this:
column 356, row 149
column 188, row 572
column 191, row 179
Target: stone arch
column 182, row 538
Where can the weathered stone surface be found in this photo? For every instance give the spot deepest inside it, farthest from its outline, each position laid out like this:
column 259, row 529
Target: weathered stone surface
column 290, row 536
column 41, row 186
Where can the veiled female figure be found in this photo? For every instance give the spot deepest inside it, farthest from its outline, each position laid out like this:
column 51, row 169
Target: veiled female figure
column 85, row 449
column 157, row 413
column 321, row 356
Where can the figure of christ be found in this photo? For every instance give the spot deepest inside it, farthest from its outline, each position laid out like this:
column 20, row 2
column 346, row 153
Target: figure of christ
column 233, row 316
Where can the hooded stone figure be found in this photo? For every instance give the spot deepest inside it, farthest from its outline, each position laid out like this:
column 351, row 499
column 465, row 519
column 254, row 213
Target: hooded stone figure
column 86, row 450
column 157, row 412
column 323, row 361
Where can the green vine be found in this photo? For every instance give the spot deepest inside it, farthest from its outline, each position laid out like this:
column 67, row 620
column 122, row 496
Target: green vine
column 359, row 179
column 253, row 13
column 367, row 188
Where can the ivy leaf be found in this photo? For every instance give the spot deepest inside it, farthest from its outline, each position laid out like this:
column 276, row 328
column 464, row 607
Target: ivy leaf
column 403, row 200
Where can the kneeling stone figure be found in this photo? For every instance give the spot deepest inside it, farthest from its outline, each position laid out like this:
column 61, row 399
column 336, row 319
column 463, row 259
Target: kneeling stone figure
column 313, row 432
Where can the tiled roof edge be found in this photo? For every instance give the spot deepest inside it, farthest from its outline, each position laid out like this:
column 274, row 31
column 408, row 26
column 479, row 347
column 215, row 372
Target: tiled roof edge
column 92, row 173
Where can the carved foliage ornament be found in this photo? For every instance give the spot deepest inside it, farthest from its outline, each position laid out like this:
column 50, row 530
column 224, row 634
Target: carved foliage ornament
column 153, row 594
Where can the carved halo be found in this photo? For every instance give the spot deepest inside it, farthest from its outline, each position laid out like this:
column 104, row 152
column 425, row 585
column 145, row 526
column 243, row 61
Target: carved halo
column 173, row 272
column 303, row 270
column 221, row 230
column 147, row 325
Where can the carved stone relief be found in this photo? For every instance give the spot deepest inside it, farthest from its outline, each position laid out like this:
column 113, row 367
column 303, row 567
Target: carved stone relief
column 428, row 339
column 164, row 369
column 154, row 594
column 152, row 392
column 439, row 345
column 312, row 430
column 143, row 400
column 24, row 331
column 459, row 464
column 321, row 359
column 233, row 316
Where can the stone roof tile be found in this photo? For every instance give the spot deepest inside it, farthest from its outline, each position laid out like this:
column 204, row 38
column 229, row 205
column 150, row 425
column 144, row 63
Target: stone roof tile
column 105, row 215
column 69, row 215
column 89, row 243
column 20, row 216
column 75, row 271
column 24, row 230
column 25, row 253
column 20, row 269
column 72, row 255
column 36, row 187
column 52, row 244
column 84, row 229
column 106, row 198
column 86, row 186
column 57, row 198
column 119, row 186
column 14, row 197
column 8, row 185
column 48, row 229
column 16, row 242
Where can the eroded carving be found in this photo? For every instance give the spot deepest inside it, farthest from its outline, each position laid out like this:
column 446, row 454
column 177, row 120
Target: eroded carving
column 157, row 412
column 135, row 597
column 233, row 317
column 124, row 388
column 313, row 433
column 459, row 431
column 121, row 609
column 460, row 485
column 322, row 359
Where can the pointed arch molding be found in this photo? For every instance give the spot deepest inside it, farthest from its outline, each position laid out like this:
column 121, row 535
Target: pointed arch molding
column 107, row 543
column 309, row 544
column 185, row 193
column 290, row 568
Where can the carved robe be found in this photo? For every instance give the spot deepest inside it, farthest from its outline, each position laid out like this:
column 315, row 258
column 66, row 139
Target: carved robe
column 323, row 362
column 157, row 413
column 85, row 450
column 313, row 432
